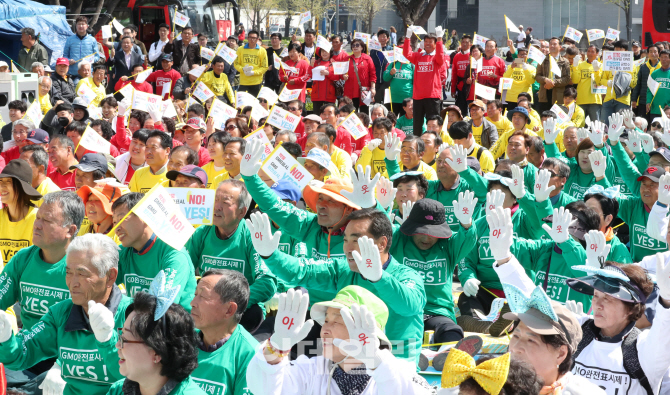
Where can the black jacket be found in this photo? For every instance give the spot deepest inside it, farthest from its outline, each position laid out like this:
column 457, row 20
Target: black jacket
column 192, row 53
column 61, row 89
column 272, row 75
column 121, row 68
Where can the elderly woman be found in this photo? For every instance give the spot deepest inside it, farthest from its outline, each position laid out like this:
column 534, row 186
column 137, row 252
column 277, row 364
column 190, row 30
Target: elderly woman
column 43, row 94
column 98, row 202
column 356, row 357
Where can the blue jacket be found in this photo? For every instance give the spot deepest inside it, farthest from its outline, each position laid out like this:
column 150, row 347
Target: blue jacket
column 77, row 48
column 380, row 62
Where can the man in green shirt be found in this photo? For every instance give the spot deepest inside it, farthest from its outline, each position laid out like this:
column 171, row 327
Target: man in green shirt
column 662, row 77
column 406, row 122
column 225, row 347
column 65, row 332
column 143, row 254
column 226, row 244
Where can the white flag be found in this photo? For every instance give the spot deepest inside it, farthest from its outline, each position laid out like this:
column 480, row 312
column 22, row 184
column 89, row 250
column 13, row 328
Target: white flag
column 86, row 93
column 652, row 85
column 612, row 34
column 220, row 112
column 243, row 99
column 168, row 109
column 511, row 26
column 287, row 95
column 305, row 17
column 117, row 25
column 573, row 34
column 34, row 113
column 374, row 44
column 127, row 91
column 536, row 55
column 595, row 34
column 258, row 112
column 202, row 92
column 106, row 32
column 269, row 95
column 92, row 141
column 398, row 56
column 283, row 119
column 387, row 95
column 166, row 88
column 164, row 217
column 340, row 68
column 480, row 40
column 180, row 19
column 554, row 66
column 227, row 53
column 560, row 114
column 354, row 126
column 418, row 29
column 485, row 92
column 206, row 53
column 322, row 42
column 141, row 77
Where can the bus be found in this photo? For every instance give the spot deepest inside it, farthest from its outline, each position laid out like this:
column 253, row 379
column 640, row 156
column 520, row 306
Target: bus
column 655, row 22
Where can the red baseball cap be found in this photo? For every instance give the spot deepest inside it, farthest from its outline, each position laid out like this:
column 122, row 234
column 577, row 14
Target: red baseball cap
column 64, row 61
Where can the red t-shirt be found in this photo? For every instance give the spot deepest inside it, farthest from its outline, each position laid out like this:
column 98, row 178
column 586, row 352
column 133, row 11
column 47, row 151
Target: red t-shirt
column 427, row 79
column 143, row 87
column 64, row 181
column 160, row 77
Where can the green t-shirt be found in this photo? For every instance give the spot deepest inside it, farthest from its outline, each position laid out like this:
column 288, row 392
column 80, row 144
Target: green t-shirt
column 662, row 97
column 618, row 252
column 35, row 284
column 633, row 212
column 137, row 271
column 224, row 371
column 83, row 366
column 407, row 125
column 186, row 387
column 401, row 81
column 208, row 251
column 579, row 182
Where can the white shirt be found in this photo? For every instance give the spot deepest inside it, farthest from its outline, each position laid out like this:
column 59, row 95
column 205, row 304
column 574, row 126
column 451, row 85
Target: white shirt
column 128, row 56
column 156, row 50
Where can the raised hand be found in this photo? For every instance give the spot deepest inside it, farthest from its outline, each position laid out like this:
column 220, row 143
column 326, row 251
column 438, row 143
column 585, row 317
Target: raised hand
column 501, row 233
column 597, row 248
column 392, row 146
column 385, row 192
column 368, row 261
column 628, row 118
column 616, row 127
column 647, row 142
column 542, row 188
column 664, row 189
column 598, row 163
column 494, row 199
column 559, row 228
column 374, row 143
column 251, row 161
column 550, row 132
column 265, row 243
column 406, row 209
column 363, row 343
column 634, row 141
column 363, row 194
column 517, row 187
column 459, row 163
column 290, row 325
column 464, row 207
column 577, row 309
column 597, row 133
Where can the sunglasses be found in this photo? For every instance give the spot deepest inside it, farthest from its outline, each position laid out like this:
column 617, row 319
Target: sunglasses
column 231, row 127
column 355, row 45
column 262, row 101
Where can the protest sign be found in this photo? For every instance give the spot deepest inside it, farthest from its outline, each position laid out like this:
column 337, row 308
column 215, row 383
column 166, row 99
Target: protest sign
column 94, row 112
column 141, row 77
column 354, row 126
column 202, row 92
column 595, row 34
column 417, row 30
column 305, row 17
column 168, row 109
column 480, row 40
column 180, row 19
column 276, row 61
column 284, row 53
column 612, row 34
column 127, row 91
column 316, row 73
column 280, row 165
column 287, row 95
column 164, row 217
column 269, row 95
column 398, row 56
column 283, row 119
column 374, row 44
column 597, row 89
column 196, row 204
column 86, row 93
column 363, row 36
column 536, row 55
column 505, row 84
column 141, row 100
column 117, row 25
column 92, row 141
column 258, row 112
column 227, row 53
column 260, row 135
column 34, row 113
column 289, row 68
column 485, row 92
column 340, row 68
column 197, row 72
column 573, row 34
column 618, row 61
column 221, row 112
column 652, row 85
column 207, row 53
column 560, row 114
column 389, row 56
column 510, row 25
column 323, row 43
column 243, row 99
column 165, row 90
column 554, row 66
column 106, row 32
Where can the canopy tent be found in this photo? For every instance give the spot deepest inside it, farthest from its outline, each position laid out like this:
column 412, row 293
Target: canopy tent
column 48, row 21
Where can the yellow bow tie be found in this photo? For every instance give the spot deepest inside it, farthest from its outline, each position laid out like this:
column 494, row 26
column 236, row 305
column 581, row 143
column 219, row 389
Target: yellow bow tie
column 490, row 375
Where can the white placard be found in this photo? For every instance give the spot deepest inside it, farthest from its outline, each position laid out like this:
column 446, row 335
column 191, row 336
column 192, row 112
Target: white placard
column 221, row 112
column 316, row 73
column 269, row 95
column 505, row 84
column 323, row 43
column 287, row 95
column 197, row 204
column 283, row 119
column 305, row 17
column 258, row 112
column 485, row 92
column 536, row 55
column 197, row 72
column 92, row 141
column 374, row 44
column 573, row 34
column 618, row 61
column 243, row 99
column 562, row 116
column 164, row 217
column 34, row 112
column 340, row 68
column 481, row 40
column 227, row 53
column 595, row 34
column 281, row 165
column 202, row 92
column 86, row 93
column 106, row 32
column 180, row 19
column 141, row 100
column 354, row 126
column 207, row 53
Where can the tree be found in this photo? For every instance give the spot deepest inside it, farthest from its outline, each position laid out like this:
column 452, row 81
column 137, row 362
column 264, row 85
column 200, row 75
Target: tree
column 289, row 7
column 258, row 10
column 625, row 7
column 368, row 9
column 415, row 12
column 316, row 7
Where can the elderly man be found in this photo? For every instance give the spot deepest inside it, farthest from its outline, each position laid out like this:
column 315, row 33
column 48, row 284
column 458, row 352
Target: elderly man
column 226, row 244
column 225, row 348
column 38, row 159
column 411, row 153
column 64, row 332
column 157, row 151
column 143, row 254
column 340, row 158
column 232, row 154
column 84, row 70
column 551, row 85
column 61, row 156
column 37, row 68
column 32, row 50
column 63, row 84
column 461, row 134
column 43, row 97
column 94, row 82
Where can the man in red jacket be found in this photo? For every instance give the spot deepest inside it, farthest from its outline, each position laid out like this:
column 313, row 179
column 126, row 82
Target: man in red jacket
column 427, row 80
column 493, row 67
column 458, row 68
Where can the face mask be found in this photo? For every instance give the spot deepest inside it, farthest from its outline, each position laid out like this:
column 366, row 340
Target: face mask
column 63, row 121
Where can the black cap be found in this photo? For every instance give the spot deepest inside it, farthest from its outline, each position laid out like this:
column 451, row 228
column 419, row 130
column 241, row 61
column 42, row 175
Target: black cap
column 92, row 161
column 428, row 218
column 653, row 173
column 20, row 170
column 166, row 56
column 663, row 151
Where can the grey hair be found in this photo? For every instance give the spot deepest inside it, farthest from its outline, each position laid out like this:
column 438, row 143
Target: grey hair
column 291, row 136
column 231, row 287
column 44, row 78
column 83, row 63
column 378, row 105
column 37, row 64
column 244, row 200
column 321, row 138
column 563, row 169
column 643, row 123
column 102, row 250
column 29, row 31
column 70, row 205
column 537, row 143
column 26, row 123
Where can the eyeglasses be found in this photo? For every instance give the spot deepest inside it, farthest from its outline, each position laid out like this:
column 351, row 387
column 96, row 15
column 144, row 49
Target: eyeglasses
column 124, row 341
column 293, row 109
column 551, row 173
column 231, row 127
column 408, row 150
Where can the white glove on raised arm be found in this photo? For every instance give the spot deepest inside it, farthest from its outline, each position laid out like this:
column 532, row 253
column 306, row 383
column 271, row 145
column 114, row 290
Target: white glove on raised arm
column 647, row 142
column 53, row 383
column 597, row 248
column 265, row 243
column 101, row 320
column 576, row 60
column 517, row 187
column 597, row 133
column 598, row 163
column 408, row 32
column 363, row 194
column 494, row 199
column 471, row 287
column 364, row 343
column 460, row 162
column 596, row 65
column 501, row 233
column 392, row 146
column 634, row 141
column 628, row 119
column 550, row 132
column 664, row 189
column 542, row 188
column 577, row 309
column 464, row 207
column 368, row 261
column 616, row 127
column 374, row 143
column 406, row 209
column 251, row 161
column 385, row 192
column 290, row 325
column 663, row 276
column 559, row 228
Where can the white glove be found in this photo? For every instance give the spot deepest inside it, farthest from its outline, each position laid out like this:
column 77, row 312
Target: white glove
column 628, row 118
column 577, row 309
column 385, row 192
column 597, row 248
column 596, row 133
column 576, row 60
column 598, row 163
column 369, row 262
column 663, row 276
column 582, row 134
column 408, row 32
column 550, row 132
column 647, row 142
column 665, row 134
column 559, row 228
column 442, row 147
column 364, row 343
column 374, row 143
column 290, row 325
column 664, row 189
column 460, row 162
column 439, row 32
column 542, row 188
column 616, row 127
column 596, row 65
column 101, row 320
column 364, row 188
column 464, row 207
column 517, row 186
column 5, row 326
column 634, row 141
column 494, row 199
column 251, row 161
column 471, row 287
column 265, row 243
column 610, row 83
column 501, row 233
column 392, row 146
column 406, row 209
column 53, row 383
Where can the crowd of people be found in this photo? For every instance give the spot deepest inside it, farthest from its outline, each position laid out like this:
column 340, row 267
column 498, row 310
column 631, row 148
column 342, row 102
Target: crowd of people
column 536, row 217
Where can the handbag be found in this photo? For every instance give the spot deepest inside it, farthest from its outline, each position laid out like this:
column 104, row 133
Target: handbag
column 362, row 88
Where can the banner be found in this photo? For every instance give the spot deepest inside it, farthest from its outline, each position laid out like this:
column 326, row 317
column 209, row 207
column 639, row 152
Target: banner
column 287, row 95
column 505, row 84
column 618, row 61
column 595, row 34
column 283, row 119
column 612, row 34
column 180, row 19
column 536, row 55
column 340, row 68
column 562, row 116
column 398, row 56
column 374, row 44
column 228, row 54
column 481, row 40
column 354, row 126
column 322, row 42
column 92, row 141
column 86, row 93
column 511, row 26
column 281, row 165
column 164, row 217
column 202, row 92
column 34, row 113
column 196, row 204
column 127, row 91
column 141, row 100
column 207, row 53
column 243, row 99
column 485, row 92
column 305, row 17
column 573, row 34
column 269, row 95
column 554, row 66
column 221, row 112
column 106, row 32
column 141, row 77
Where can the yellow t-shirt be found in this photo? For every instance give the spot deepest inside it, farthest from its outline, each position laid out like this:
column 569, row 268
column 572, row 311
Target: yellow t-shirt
column 45, row 187
column 500, row 147
column 212, row 173
column 88, row 228
column 603, row 78
column 428, row 171
column 15, row 235
column 220, row 86
column 374, row 159
column 220, row 178
column 45, row 103
column 342, row 161
column 524, row 78
column 143, row 180
column 503, row 125
column 477, row 133
column 100, row 92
